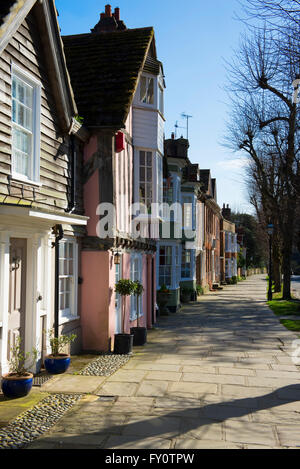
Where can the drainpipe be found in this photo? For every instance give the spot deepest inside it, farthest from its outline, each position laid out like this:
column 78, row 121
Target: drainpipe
column 59, row 234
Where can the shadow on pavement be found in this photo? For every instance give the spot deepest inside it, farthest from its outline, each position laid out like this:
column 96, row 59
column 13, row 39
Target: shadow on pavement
column 194, row 421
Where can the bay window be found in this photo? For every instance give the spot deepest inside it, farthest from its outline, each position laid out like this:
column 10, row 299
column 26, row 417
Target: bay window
column 147, row 90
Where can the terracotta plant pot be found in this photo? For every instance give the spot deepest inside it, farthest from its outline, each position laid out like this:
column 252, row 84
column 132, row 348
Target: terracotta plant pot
column 57, row 364
column 13, row 385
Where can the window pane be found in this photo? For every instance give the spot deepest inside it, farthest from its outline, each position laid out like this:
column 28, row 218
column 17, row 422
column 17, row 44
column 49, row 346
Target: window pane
column 143, row 89
column 161, row 100
column 61, row 302
column 149, row 159
column 150, row 93
column 142, row 158
column 142, row 174
column 67, row 301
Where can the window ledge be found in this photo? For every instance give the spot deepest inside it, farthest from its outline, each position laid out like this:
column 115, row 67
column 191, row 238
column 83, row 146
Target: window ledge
column 134, row 318
column 65, row 319
column 19, row 179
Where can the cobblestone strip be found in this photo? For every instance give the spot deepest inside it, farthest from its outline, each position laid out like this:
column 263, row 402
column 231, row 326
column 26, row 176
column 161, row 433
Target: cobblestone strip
column 105, row 365
column 36, row 421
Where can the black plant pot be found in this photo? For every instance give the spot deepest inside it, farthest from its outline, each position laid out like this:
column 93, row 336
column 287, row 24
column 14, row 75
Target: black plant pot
column 139, row 335
column 123, row 344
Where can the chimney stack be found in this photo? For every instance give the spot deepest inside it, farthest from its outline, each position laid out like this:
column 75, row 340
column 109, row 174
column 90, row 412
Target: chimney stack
column 226, row 212
column 109, row 21
column 108, row 11
column 116, row 14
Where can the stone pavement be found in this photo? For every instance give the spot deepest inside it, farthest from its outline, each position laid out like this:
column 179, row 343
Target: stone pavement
column 218, row 374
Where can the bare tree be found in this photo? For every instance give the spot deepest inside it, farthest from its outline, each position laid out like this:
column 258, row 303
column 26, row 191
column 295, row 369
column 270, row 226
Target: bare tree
column 281, row 17
column 264, row 124
column 265, row 212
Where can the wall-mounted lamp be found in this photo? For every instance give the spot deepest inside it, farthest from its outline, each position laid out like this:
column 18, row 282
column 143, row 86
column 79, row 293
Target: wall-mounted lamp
column 117, row 258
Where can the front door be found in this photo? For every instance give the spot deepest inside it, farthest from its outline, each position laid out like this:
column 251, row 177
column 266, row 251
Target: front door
column 17, row 293
column 118, row 304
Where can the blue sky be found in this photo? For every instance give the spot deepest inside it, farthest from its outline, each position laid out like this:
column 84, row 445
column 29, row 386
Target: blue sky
column 193, row 39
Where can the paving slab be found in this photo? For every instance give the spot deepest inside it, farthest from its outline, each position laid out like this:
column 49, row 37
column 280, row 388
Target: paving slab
column 73, row 383
column 217, row 374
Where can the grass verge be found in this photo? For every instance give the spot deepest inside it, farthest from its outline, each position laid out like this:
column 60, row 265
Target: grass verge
column 282, row 307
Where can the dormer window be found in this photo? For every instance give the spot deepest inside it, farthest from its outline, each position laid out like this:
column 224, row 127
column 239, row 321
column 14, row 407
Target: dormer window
column 147, row 90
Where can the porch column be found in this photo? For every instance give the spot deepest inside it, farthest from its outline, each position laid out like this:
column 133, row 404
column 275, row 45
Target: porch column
column 4, row 289
column 32, row 333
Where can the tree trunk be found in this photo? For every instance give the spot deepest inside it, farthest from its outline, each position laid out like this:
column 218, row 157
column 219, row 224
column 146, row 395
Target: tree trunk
column 286, row 263
column 276, row 274
column 276, row 264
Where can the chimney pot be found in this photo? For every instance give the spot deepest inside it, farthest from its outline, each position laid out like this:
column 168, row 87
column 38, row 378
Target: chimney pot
column 108, row 10
column 173, row 136
column 102, row 16
column 117, row 14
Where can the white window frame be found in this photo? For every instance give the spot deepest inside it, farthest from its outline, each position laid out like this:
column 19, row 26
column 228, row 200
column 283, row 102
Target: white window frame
column 147, row 184
column 161, row 100
column 136, row 257
column 190, row 200
column 175, row 264
column 34, row 176
column 156, row 174
column 71, row 313
column 148, row 77
column 169, row 266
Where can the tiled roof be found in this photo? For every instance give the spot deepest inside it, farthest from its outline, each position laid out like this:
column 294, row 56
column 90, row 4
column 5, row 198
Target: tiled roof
column 204, row 179
column 104, row 70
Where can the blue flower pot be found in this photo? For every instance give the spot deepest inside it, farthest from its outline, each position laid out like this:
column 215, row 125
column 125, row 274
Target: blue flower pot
column 57, row 365
column 16, row 386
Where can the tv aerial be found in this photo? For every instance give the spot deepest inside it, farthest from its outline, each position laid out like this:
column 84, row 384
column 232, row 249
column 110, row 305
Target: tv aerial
column 187, row 117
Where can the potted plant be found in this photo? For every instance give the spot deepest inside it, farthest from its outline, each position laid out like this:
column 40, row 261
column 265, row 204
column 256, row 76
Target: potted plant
column 186, row 294
column 58, row 362
column 123, row 341
column 18, row 382
column 163, row 296
column 139, row 333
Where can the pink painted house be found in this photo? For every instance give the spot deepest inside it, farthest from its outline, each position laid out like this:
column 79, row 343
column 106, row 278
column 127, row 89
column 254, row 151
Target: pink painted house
column 119, row 86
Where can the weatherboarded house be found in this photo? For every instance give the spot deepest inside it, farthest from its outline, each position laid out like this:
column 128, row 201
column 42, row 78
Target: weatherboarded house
column 41, row 203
